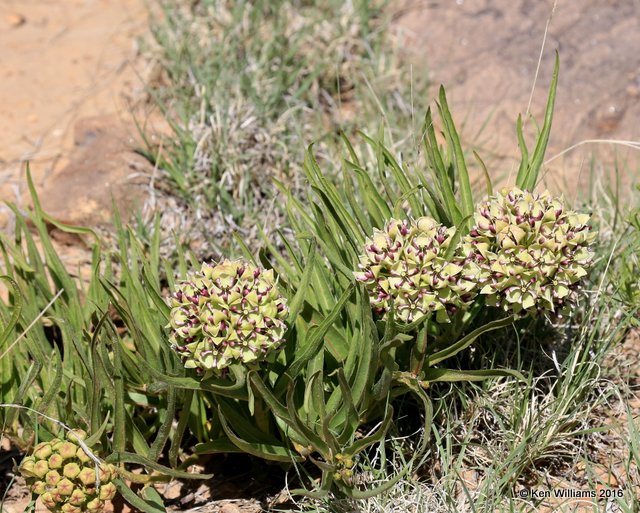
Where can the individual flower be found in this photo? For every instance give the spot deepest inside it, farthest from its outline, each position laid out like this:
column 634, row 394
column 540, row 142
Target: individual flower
column 404, row 265
column 227, row 313
column 68, row 488
column 531, row 249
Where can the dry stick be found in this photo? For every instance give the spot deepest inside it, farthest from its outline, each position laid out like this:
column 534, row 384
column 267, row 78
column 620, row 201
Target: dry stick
column 32, row 323
column 84, row 446
column 630, row 144
column 535, row 77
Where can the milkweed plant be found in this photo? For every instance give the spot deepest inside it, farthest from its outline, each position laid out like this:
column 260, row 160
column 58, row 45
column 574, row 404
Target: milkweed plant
column 377, row 290
column 384, row 275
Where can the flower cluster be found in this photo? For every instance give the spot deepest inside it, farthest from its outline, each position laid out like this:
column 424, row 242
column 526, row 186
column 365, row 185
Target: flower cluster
column 227, row 313
column 64, row 476
column 531, row 250
column 344, row 469
column 405, row 266
column 525, row 253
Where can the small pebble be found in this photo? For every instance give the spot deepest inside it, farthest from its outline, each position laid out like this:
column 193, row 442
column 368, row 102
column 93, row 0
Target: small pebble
column 15, row 20
column 633, row 91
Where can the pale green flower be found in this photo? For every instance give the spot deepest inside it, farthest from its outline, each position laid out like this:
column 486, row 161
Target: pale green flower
column 64, row 476
column 227, row 313
column 404, row 265
column 531, row 249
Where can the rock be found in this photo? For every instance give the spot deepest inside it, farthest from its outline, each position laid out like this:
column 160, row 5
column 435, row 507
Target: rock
column 102, row 170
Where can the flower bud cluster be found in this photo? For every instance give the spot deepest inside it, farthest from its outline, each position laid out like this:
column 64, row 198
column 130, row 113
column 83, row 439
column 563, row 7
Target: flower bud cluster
column 404, row 265
column 531, row 250
column 64, row 476
column 344, row 469
column 526, row 253
column 227, row 313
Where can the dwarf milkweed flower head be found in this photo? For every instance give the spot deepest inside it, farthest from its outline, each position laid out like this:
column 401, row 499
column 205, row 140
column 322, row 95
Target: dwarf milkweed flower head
column 531, row 249
column 64, row 476
column 227, row 313
column 405, row 265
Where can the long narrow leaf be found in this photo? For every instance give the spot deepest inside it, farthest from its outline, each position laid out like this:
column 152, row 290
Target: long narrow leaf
column 541, row 146
column 466, row 341
column 461, row 167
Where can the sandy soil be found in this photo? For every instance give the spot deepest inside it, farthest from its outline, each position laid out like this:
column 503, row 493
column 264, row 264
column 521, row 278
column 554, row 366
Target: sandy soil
column 61, row 61
column 486, row 53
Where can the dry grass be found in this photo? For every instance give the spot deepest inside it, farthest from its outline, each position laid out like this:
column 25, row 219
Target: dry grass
column 246, row 86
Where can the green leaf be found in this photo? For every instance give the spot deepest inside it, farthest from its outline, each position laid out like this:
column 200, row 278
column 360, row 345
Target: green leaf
column 333, row 201
column 466, row 341
column 309, row 436
column 398, row 211
column 217, row 446
column 377, row 207
column 265, row 451
column 183, row 419
column 119, row 416
column 352, row 417
column 145, row 505
column 320, row 492
column 129, row 457
column 217, row 385
column 386, row 158
column 16, row 308
column 303, row 288
column 485, row 172
column 523, row 169
column 95, row 435
column 449, row 375
column 242, row 424
column 267, row 395
column 314, row 341
column 164, row 430
column 349, row 192
column 461, row 167
column 436, row 163
column 151, row 496
column 461, row 229
column 377, row 436
column 531, row 177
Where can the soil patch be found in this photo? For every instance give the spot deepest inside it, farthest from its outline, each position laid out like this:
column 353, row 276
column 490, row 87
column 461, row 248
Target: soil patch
column 61, row 62
column 486, row 53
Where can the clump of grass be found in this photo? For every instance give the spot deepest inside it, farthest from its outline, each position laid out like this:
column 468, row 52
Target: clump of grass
column 246, row 85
